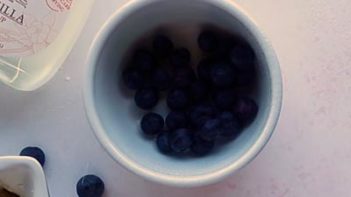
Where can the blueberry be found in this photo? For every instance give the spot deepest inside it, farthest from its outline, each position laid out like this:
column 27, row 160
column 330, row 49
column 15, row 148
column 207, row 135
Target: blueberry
column 230, row 129
column 161, row 79
column 226, row 43
column 133, row 78
column 181, row 140
column 245, row 110
column 230, row 126
column 162, row 142
column 35, row 153
column 204, row 69
column 204, row 108
column 226, row 116
column 208, row 41
column 146, row 98
column 202, row 147
column 242, row 56
column 162, row 45
column 210, row 130
column 152, row 123
column 198, row 121
column 198, row 91
column 144, row 60
column 245, row 77
column 222, row 75
column 90, row 186
column 180, row 57
column 176, row 120
column 224, row 99
column 200, row 113
column 178, row 99
column 183, row 77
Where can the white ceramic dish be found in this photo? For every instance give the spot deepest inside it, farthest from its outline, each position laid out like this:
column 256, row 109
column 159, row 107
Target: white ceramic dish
column 23, row 176
column 113, row 114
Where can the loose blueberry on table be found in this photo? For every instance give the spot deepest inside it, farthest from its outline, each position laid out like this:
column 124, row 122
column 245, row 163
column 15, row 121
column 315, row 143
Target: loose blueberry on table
column 90, row 186
column 34, row 152
column 205, row 107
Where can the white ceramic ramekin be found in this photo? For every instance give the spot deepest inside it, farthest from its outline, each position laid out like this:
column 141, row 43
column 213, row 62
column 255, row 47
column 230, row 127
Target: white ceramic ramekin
column 113, row 114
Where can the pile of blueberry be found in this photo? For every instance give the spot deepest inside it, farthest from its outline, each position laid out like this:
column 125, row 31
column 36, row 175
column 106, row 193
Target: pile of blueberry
column 208, row 106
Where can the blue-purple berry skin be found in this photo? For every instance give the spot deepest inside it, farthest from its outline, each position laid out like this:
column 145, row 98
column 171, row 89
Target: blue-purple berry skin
column 183, row 77
column 242, row 56
column 245, row 109
column 161, row 79
column 208, row 41
column 210, row 129
column 205, row 109
column 162, row 45
column 152, row 123
column 202, row 147
column 133, row 78
column 176, row 120
column 246, row 78
column 180, row 57
column 163, row 143
column 200, row 113
column 226, row 116
column 204, row 69
column 178, row 99
column 231, row 129
column 34, row 152
column 224, row 99
column 146, row 98
column 222, row 75
column 198, row 91
column 181, row 140
column 144, row 60
column 90, row 186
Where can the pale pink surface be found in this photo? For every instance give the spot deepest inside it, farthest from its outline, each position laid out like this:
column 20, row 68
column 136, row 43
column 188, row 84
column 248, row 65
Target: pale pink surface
column 309, row 154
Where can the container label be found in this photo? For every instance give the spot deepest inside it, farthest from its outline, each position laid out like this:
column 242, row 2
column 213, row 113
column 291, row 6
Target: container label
column 28, row 26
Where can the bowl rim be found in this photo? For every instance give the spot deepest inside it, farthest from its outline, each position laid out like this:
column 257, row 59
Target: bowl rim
column 173, row 180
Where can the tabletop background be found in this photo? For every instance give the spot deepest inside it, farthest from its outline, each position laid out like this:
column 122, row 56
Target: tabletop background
column 309, row 154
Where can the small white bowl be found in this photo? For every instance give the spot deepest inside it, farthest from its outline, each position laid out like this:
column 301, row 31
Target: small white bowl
column 112, row 112
column 23, row 176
